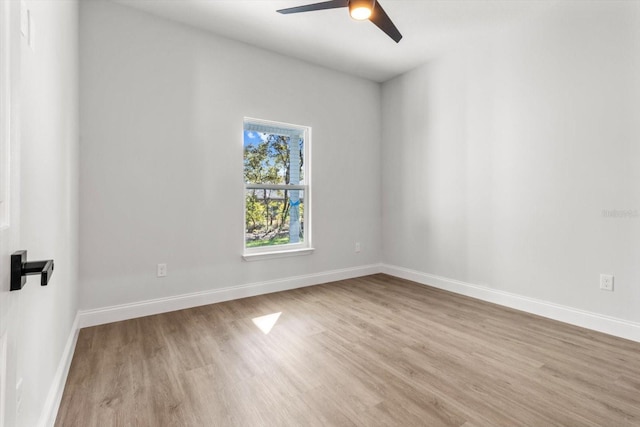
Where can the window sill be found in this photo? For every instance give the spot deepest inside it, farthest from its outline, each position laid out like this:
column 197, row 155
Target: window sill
column 277, row 254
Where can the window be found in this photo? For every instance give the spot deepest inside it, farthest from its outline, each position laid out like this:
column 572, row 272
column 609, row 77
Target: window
column 277, row 209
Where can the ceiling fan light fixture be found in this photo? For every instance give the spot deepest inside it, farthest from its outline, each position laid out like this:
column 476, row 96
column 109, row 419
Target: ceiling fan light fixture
column 358, row 9
column 360, row 13
column 361, row 9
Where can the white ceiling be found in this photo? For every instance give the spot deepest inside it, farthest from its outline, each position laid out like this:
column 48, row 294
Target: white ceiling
column 332, row 39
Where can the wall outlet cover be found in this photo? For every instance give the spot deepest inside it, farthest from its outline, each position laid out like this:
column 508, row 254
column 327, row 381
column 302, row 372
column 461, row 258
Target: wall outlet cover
column 162, row 270
column 606, row 282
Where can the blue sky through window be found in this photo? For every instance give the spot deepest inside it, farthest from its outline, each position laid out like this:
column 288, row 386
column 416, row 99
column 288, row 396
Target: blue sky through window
column 252, row 138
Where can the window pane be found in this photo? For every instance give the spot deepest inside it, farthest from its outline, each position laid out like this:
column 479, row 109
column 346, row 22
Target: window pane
column 273, row 159
column 273, row 217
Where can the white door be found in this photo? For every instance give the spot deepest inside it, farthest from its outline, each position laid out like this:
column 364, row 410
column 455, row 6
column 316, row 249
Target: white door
column 9, row 206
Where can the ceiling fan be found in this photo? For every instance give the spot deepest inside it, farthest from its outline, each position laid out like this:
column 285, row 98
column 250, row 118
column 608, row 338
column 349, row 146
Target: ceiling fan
column 358, row 9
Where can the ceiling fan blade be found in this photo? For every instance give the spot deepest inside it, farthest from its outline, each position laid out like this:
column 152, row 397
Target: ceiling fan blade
column 333, row 4
column 382, row 20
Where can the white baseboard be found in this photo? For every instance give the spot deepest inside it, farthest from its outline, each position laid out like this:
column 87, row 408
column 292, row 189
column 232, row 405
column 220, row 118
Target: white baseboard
column 51, row 405
column 594, row 321
column 162, row 305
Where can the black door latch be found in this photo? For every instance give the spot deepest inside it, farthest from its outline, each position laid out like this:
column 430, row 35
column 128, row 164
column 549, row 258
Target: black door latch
column 20, row 268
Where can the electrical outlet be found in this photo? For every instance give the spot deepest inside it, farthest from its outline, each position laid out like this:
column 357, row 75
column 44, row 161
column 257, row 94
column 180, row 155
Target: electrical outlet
column 357, row 247
column 606, row 282
column 162, row 270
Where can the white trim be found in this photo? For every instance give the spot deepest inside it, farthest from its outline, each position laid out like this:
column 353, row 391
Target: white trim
column 3, row 373
column 259, row 256
column 586, row 319
column 274, row 127
column 287, row 249
column 117, row 313
column 6, row 122
column 52, row 404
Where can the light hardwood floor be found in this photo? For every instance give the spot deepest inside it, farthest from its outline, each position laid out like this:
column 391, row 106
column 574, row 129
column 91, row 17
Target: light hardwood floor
column 373, row 351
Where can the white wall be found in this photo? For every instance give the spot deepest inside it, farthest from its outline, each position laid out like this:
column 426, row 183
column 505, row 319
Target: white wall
column 49, row 198
column 161, row 158
column 499, row 159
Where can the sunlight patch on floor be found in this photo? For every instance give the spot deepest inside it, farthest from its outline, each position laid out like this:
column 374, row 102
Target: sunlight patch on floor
column 267, row 322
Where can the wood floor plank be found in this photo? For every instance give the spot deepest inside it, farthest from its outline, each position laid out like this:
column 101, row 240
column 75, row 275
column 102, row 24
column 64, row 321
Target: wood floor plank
column 371, row 351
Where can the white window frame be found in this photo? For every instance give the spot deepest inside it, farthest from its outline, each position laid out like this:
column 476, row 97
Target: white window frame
column 305, row 247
